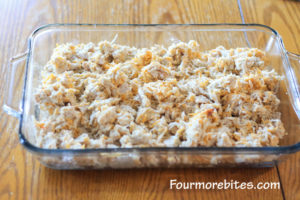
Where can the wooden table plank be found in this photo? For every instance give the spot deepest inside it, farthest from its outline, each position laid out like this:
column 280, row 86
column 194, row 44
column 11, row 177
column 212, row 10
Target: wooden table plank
column 150, row 183
column 283, row 16
column 25, row 178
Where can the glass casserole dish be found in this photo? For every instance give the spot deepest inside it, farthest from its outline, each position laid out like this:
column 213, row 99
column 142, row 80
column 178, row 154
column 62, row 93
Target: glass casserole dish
column 43, row 40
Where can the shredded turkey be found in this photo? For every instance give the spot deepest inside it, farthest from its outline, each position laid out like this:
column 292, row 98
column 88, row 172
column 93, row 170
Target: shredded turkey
column 108, row 95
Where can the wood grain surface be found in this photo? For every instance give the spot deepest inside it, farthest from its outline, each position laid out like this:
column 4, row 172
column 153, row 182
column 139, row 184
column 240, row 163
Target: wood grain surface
column 22, row 177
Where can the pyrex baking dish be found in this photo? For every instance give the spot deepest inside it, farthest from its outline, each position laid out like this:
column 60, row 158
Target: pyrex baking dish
column 20, row 103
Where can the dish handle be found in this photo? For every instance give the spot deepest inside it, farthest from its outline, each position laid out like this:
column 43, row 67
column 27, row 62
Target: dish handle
column 294, row 60
column 14, row 81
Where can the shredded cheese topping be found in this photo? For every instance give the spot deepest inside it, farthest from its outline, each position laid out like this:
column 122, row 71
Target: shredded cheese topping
column 109, row 95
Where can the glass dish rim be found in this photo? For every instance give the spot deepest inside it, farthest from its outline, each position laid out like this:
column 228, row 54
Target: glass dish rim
column 222, row 150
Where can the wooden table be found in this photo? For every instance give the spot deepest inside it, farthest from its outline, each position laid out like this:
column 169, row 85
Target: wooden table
column 22, row 177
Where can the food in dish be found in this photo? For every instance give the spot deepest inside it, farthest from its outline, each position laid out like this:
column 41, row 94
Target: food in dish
column 107, row 95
